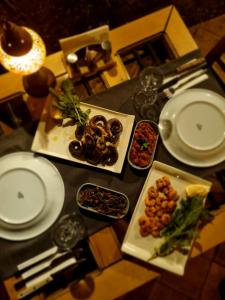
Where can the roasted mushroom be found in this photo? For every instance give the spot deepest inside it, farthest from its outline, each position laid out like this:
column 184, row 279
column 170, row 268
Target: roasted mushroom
column 93, row 157
column 113, row 139
column 110, row 157
column 101, row 143
column 89, row 143
column 98, row 120
column 76, row 149
column 115, row 126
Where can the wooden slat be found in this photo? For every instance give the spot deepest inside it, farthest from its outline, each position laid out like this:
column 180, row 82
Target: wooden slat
column 222, row 58
column 178, row 35
column 115, row 281
column 105, row 247
column 211, row 235
column 219, row 71
column 139, row 29
column 5, row 128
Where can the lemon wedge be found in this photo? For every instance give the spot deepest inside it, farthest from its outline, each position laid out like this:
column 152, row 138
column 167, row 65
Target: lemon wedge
column 193, row 190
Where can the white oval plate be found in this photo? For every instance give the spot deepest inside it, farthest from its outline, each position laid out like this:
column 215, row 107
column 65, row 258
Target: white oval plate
column 32, row 195
column 192, row 127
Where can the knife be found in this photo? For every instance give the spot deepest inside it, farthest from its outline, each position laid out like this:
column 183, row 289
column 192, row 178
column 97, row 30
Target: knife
column 172, row 67
column 186, row 83
column 34, row 260
column 37, row 269
column 187, row 74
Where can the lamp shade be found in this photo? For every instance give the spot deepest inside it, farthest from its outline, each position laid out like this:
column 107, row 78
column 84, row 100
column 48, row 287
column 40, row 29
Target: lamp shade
column 27, row 63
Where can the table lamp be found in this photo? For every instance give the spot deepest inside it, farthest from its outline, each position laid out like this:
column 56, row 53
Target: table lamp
column 22, row 51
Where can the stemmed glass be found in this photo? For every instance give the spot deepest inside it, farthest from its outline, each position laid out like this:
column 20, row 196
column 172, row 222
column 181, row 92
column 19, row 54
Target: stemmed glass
column 144, row 100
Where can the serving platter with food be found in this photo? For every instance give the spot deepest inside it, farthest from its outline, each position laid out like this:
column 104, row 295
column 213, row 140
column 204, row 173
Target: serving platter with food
column 81, row 132
column 165, row 221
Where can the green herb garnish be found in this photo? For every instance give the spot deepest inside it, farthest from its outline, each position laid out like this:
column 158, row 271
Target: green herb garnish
column 144, row 145
column 69, row 103
column 183, row 227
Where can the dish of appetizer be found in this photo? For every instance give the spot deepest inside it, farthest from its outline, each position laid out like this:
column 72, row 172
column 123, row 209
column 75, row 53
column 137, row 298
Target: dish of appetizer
column 103, row 201
column 143, row 145
column 160, row 203
column 166, row 218
column 96, row 142
column 81, row 132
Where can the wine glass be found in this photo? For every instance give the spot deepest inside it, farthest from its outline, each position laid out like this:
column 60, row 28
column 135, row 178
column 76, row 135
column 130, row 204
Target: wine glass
column 68, row 231
column 144, row 100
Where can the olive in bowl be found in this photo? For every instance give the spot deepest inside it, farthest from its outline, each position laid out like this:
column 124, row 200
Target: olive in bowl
column 103, row 201
column 143, row 145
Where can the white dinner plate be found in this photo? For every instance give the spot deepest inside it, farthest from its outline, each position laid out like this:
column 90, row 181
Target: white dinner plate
column 192, row 127
column 32, row 195
column 54, row 140
column 144, row 247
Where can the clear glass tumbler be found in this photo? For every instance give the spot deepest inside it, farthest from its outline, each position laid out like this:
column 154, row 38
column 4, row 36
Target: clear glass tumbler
column 144, row 100
column 68, row 231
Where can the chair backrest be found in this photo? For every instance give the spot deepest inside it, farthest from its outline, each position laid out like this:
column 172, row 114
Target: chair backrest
column 216, row 59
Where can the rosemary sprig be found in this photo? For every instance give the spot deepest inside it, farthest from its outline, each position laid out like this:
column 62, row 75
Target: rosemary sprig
column 183, row 227
column 69, row 103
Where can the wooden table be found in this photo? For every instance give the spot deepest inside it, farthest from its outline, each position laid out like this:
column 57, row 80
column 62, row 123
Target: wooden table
column 121, row 275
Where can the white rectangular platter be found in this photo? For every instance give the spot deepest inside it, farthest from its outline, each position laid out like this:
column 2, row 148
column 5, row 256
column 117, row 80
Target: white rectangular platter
column 143, row 247
column 54, row 140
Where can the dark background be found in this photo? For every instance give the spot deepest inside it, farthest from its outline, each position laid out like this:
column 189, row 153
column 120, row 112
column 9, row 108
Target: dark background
column 55, row 19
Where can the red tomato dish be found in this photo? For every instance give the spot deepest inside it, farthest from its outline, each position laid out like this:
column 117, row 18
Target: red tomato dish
column 143, row 144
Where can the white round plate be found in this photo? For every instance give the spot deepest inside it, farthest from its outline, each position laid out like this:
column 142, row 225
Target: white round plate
column 32, row 195
column 192, row 127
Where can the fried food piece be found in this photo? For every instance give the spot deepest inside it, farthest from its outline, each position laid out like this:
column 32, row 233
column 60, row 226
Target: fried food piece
column 162, row 183
column 152, row 192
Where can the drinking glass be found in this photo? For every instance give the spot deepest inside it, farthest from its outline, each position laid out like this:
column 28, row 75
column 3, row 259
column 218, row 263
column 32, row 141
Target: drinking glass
column 68, row 231
column 144, row 100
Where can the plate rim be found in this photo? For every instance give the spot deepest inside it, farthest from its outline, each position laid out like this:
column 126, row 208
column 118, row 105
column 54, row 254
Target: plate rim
column 187, row 158
column 41, row 223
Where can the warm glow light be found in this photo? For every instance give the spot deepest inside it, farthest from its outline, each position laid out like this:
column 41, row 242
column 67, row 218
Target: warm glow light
column 28, row 63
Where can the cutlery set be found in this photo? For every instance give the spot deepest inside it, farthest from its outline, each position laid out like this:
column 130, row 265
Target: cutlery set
column 52, row 269
column 186, row 82
column 39, row 270
column 40, row 281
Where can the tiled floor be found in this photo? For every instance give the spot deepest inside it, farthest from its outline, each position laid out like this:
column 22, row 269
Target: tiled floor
column 204, row 272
